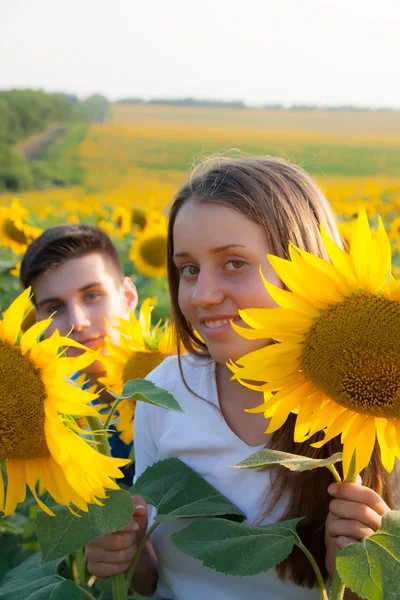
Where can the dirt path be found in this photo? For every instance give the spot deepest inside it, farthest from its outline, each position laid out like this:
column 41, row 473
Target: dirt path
column 29, row 147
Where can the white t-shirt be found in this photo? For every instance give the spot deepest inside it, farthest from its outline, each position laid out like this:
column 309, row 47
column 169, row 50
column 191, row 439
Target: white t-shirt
column 201, row 438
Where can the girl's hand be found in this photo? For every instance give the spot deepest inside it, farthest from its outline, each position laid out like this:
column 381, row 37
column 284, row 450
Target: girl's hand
column 113, row 553
column 354, row 513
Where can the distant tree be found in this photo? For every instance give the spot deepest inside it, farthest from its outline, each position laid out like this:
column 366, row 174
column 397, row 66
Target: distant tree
column 15, row 173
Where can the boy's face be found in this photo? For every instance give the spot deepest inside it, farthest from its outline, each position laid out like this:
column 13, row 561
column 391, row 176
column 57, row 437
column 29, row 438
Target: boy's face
column 80, row 295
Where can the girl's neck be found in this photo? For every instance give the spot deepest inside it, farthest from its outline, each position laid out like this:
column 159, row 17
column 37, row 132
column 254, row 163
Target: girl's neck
column 234, row 398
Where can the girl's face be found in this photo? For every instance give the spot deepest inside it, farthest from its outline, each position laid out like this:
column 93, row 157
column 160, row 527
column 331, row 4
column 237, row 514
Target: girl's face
column 218, row 252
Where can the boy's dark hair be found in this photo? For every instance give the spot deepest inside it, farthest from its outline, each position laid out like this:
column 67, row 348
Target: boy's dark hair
column 62, row 242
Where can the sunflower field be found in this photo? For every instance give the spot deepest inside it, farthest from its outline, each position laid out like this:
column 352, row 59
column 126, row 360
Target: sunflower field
column 132, row 165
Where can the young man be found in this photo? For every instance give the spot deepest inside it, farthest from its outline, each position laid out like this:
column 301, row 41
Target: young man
column 77, row 279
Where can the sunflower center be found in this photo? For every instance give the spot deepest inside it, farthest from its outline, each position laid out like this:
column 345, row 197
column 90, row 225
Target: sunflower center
column 139, row 364
column 352, row 353
column 15, row 234
column 22, row 396
column 138, row 217
column 153, row 251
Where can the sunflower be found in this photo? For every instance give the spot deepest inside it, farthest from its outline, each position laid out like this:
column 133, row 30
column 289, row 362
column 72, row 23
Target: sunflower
column 16, row 271
column 148, row 251
column 121, row 219
column 15, row 233
column 39, row 439
column 337, row 363
column 141, row 218
column 141, row 349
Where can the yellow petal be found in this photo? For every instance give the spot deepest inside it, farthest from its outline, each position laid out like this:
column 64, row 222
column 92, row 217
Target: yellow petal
column 328, row 269
column 31, row 480
column 329, row 411
column 287, row 299
column 392, row 290
column 314, row 283
column 16, row 486
column 283, row 409
column 145, row 314
column 358, row 436
column 381, row 258
column 307, row 412
column 1, row 492
column 275, row 332
column 361, row 252
column 31, row 336
column 386, row 434
column 340, row 259
column 13, row 316
column 336, row 427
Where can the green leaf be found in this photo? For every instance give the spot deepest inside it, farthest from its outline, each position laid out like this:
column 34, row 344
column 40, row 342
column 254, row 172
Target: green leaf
column 371, row 569
column 30, row 581
column 146, row 391
column 65, row 533
column 237, row 549
column 46, row 588
column 8, row 527
column 177, row 491
column 294, row 462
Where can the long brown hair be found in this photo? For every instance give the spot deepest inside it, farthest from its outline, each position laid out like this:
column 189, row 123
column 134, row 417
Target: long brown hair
column 289, row 205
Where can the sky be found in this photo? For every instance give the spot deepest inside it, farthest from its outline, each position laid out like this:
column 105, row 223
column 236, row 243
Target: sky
column 259, row 51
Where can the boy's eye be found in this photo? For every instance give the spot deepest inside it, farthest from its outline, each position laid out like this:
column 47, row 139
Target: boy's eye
column 92, row 295
column 53, row 308
column 234, row 265
column 189, row 270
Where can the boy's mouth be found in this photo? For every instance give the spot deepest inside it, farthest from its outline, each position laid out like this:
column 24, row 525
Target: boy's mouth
column 94, row 343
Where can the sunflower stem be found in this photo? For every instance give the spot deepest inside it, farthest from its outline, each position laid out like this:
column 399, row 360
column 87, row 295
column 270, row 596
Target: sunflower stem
column 320, row 579
column 111, row 413
column 119, row 587
column 118, row 581
column 334, row 472
column 80, row 565
column 142, row 544
column 100, row 435
column 85, row 593
column 338, row 588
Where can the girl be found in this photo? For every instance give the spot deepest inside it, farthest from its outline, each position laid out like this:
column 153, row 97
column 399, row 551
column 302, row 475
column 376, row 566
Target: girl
column 222, row 225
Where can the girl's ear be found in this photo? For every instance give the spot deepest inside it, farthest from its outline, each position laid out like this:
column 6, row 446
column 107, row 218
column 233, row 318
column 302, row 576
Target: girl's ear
column 130, row 293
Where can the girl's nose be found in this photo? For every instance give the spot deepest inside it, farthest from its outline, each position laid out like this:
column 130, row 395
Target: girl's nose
column 207, row 291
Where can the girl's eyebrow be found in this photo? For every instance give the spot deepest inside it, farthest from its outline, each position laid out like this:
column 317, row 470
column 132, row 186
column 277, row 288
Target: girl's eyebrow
column 212, row 250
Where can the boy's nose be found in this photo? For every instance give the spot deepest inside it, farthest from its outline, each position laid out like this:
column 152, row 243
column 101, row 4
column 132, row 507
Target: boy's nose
column 78, row 318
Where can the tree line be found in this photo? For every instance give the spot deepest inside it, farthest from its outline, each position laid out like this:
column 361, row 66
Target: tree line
column 240, row 104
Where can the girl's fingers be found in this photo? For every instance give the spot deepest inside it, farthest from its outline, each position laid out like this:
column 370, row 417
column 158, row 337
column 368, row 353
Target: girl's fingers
column 343, row 541
column 107, row 570
column 114, row 541
column 97, row 555
column 359, row 493
column 347, row 528
column 354, row 511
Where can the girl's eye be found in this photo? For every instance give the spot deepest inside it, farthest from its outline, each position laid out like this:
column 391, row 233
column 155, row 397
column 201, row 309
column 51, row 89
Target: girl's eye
column 234, row 265
column 189, row 270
